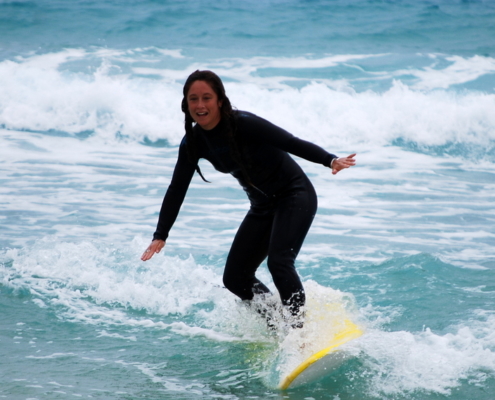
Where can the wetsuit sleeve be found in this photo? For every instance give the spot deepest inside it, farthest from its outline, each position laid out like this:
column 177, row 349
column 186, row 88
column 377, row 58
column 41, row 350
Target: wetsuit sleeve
column 176, row 192
column 264, row 131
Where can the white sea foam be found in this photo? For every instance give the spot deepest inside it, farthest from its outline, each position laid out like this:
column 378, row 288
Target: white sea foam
column 45, row 93
column 460, row 70
column 54, row 355
column 403, row 362
column 38, row 96
column 67, row 184
column 64, row 276
column 185, row 330
column 104, row 333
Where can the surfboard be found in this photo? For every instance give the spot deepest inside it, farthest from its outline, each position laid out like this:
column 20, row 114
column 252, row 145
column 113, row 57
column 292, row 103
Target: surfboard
column 325, row 361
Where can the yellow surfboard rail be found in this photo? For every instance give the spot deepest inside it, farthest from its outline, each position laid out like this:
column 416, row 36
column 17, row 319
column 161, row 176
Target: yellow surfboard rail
column 350, row 331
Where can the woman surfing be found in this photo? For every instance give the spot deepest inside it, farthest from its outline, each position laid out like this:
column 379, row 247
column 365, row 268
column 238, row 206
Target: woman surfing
column 282, row 199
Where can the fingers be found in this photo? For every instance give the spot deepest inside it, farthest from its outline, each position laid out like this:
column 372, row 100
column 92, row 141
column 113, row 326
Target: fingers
column 343, row 162
column 154, row 247
column 147, row 254
column 349, row 160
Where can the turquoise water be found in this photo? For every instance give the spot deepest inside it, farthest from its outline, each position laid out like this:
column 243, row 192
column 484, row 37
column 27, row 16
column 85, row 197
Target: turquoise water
column 89, row 128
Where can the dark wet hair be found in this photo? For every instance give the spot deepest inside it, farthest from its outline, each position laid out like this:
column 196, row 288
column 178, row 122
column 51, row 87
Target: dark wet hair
column 227, row 114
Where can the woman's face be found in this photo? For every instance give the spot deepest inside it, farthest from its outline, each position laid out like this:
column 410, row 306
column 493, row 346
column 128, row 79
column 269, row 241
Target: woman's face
column 203, row 105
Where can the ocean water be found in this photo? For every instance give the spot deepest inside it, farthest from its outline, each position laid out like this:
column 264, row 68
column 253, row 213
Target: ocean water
column 90, row 122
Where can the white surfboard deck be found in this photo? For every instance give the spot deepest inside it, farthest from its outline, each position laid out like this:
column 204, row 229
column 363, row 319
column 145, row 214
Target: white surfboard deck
column 324, row 361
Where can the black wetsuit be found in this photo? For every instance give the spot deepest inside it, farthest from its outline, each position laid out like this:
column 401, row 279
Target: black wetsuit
column 283, row 202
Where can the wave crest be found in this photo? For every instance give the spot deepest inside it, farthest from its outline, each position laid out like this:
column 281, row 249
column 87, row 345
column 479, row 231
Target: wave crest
column 135, row 96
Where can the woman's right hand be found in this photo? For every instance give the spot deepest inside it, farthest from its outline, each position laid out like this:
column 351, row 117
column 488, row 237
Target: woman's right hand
column 155, row 247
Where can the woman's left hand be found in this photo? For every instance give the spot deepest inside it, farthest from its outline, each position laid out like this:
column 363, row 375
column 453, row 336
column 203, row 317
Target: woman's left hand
column 339, row 164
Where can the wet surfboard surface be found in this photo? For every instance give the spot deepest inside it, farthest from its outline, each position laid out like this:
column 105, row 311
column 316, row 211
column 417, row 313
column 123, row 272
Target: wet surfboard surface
column 326, row 360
